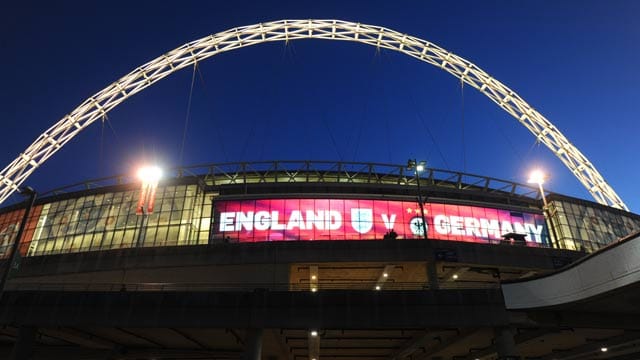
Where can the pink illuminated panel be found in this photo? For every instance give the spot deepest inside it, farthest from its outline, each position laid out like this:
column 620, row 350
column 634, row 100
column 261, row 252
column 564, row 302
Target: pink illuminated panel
column 356, row 219
column 9, row 226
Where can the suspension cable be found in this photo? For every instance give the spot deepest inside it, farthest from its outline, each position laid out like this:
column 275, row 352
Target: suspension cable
column 217, row 133
column 101, row 153
column 333, row 140
column 365, row 105
column 186, row 118
column 464, row 144
column 426, row 127
column 105, row 119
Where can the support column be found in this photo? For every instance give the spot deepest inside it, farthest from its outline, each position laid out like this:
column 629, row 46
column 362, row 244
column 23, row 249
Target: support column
column 253, row 345
column 23, row 348
column 432, row 271
column 505, row 345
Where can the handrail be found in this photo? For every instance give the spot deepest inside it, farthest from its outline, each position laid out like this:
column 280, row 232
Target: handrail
column 237, row 286
column 291, row 171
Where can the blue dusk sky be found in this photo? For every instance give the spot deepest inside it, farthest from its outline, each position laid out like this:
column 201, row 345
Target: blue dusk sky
column 576, row 62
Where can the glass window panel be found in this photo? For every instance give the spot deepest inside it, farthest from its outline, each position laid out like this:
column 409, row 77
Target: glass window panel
column 152, row 219
column 184, row 234
column 150, row 237
column 129, row 237
column 173, row 234
column 161, row 235
column 181, row 191
column 166, row 204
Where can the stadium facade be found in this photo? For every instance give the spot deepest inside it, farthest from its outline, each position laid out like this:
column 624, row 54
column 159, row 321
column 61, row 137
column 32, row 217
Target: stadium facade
column 309, row 201
column 319, row 229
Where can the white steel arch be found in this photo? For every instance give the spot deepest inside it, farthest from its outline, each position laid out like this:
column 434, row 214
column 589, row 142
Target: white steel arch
column 186, row 55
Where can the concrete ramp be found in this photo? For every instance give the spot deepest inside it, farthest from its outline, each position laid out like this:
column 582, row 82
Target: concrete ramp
column 611, row 268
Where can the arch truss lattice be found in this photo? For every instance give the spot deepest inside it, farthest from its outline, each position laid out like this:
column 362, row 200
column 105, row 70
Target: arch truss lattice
column 187, row 55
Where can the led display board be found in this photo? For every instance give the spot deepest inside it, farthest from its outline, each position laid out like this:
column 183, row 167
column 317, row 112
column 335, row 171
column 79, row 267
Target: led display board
column 359, row 219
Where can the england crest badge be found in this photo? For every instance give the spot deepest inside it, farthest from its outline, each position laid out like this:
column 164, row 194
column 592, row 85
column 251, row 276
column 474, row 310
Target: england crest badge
column 362, row 220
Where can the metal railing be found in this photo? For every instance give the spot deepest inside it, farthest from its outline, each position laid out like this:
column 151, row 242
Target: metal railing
column 321, row 172
column 204, row 287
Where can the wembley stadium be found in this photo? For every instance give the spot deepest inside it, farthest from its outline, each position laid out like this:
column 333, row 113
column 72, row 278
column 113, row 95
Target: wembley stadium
column 312, row 259
column 319, row 228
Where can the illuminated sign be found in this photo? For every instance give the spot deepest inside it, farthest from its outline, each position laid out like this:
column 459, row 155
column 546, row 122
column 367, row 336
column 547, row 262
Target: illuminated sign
column 353, row 219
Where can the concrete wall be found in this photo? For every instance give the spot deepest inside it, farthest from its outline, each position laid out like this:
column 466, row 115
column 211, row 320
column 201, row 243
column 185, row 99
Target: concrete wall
column 613, row 268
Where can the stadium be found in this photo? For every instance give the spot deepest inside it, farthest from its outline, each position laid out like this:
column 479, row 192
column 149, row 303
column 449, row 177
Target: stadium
column 310, row 259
